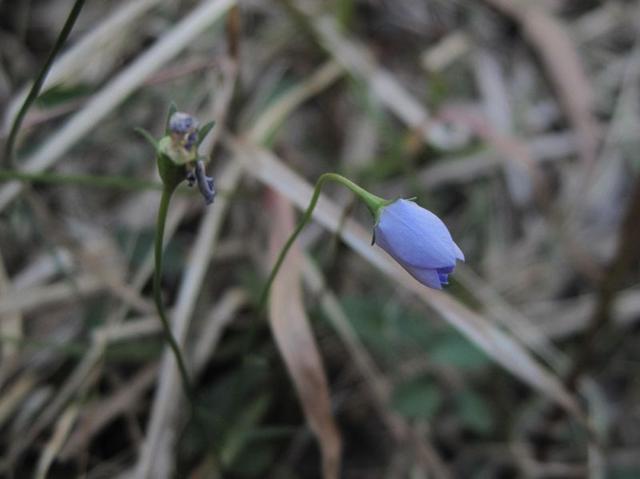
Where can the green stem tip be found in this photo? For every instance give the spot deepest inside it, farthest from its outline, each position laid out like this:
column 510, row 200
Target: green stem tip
column 374, row 204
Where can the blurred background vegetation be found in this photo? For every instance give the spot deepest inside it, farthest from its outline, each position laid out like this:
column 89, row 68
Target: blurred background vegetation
column 516, row 122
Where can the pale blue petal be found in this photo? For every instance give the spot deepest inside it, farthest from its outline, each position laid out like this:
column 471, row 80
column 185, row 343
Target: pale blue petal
column 428, row 277
column 415, row 237
column 446, row 270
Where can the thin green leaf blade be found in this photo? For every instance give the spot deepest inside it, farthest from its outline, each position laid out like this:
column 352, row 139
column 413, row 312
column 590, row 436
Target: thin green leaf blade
column 204, row 131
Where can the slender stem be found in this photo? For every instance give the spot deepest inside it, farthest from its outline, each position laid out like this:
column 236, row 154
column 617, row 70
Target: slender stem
column 37, row 84
column 373, row 203
column 196, row 413
column 167, row 192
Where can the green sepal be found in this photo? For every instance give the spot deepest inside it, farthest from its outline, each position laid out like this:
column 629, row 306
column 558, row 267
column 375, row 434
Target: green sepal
column 176, row 153
column 170, row 173
column 204, row 131
column 374, row 203
column 147, row 136
column 172, row 109
column 381, row 206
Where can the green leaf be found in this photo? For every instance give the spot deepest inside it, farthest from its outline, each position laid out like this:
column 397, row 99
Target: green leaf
column 474, row 412
column 345, row 10
column 61, row 94
column 204, row 131
column 255, row 460
column 238, row 434
column 134, row 352
column 454, row 350
column 624, row 472
column 232, row 409
column 171, row 172
column 388, row 328
column 417, row 399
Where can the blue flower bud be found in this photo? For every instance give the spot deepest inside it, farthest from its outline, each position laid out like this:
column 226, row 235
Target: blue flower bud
column 419, row 241
column 177, row 153
column 182, row 123
column 182, row 143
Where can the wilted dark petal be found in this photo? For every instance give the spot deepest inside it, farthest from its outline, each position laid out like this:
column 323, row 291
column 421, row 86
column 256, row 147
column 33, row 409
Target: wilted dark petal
column 444, row 278
column 205, row 183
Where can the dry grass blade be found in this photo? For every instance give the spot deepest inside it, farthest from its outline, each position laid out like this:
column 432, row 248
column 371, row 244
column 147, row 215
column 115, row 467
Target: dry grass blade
column 105, row 411
column 514, row 152
column 559, row 55
column 214, row 325
column 512, row 319
column 13, row 396
column 273, row 117
column 98, row 415
column 293, row 335
column 379, row 386
column 492, row 83
column 76, row 59
column 118, row 89
column 11, row 325
column 559, row 319
column 41, row 296
column 60, row 434
column 357, row 60
column 81, row 376
column 545, row 148
column 503, row 349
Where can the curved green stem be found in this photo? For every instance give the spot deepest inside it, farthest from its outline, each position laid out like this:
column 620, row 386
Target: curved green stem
column 37, row 84
column 373, row 202
column 167, row 192
column 196, row 413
